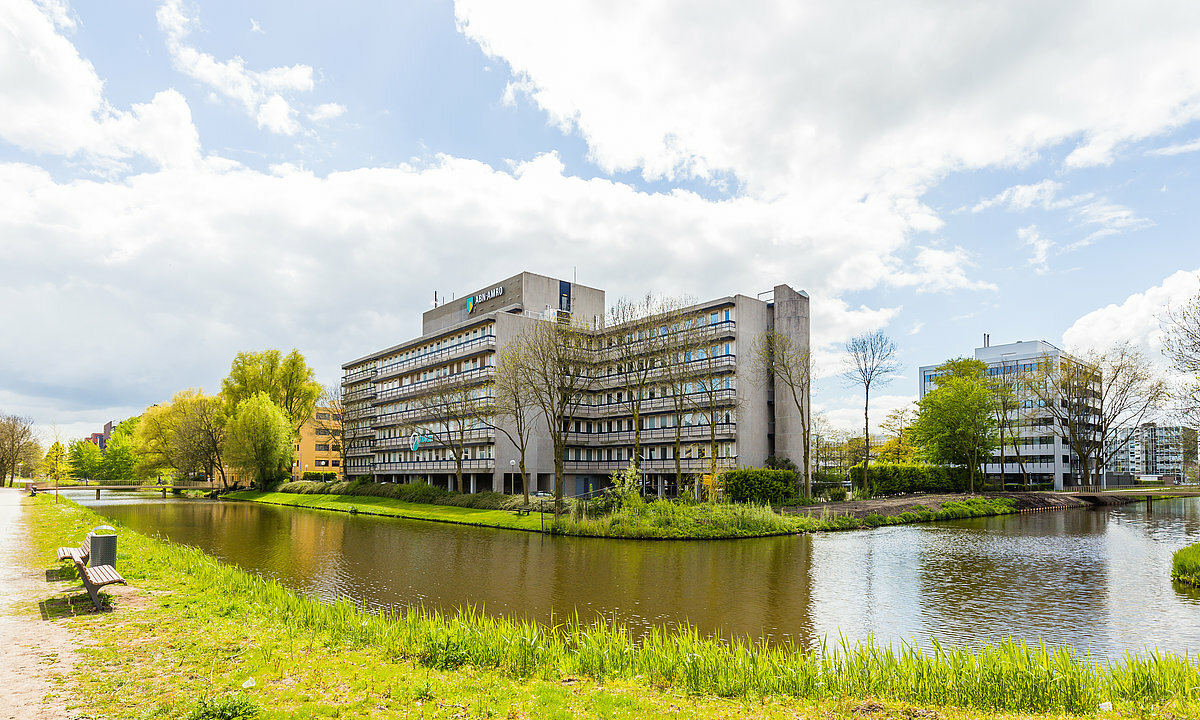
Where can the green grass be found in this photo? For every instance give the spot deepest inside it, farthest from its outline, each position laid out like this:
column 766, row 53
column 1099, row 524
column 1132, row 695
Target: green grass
column 1185, row 565
column 205, row 627
column 656, row 520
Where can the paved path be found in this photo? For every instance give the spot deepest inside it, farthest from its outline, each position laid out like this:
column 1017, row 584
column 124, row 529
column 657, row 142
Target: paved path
column 32, row 650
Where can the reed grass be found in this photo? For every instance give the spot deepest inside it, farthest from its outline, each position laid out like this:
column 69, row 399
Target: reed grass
column 1185, row 565
column 1007, row 676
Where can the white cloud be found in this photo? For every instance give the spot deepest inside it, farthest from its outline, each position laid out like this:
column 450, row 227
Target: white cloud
column 1039, row 248
column 54, row 104
column 256, row 28
column 1023, row 197
column 916, row 328
column 939, row 270
column 849, row 417
column 834, row 96
column 1109, row 218
column 1180, row 149
column 327, row 111
column 259, row 92
column 1135, row 320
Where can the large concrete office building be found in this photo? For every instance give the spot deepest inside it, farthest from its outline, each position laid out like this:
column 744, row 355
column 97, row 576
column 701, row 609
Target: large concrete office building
column 467, row 335
column 1041, row 452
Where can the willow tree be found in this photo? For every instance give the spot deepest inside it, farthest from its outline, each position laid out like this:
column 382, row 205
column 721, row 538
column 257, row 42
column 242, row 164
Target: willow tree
column 286, row 380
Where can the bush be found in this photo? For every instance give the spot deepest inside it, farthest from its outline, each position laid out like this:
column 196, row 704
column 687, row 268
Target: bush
column 888, row 479
column 318, row 476
column 837, row 494
column 1185, row 564
column 758, row 485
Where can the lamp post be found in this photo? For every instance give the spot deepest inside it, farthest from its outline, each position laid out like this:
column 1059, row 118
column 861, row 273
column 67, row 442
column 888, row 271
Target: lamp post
column 512, row 469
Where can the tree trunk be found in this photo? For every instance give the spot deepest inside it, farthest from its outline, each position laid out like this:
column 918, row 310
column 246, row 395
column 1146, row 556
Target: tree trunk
column 866, row 434
column 524, row 478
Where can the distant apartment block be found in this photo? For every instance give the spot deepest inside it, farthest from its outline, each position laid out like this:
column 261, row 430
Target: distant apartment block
column 1167, row 452
column 465, row 337
column 100, row 439
column 1039, row 450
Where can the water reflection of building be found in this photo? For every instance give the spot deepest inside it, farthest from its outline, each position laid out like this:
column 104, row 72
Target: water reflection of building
column 1153, row 451
column 462, row 338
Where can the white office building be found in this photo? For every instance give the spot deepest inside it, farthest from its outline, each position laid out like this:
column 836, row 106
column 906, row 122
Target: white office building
column 1040, row 453
column 466, row 335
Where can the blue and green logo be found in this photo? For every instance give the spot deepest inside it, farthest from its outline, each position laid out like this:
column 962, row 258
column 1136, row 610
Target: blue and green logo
column 470, row 304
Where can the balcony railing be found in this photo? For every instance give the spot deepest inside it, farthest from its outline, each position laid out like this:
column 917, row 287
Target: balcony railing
column 654, row 436
column 471, row 436
column 363, row 394
column 416, row 388
column 418, row 466
column 358, row 376
column 693, row 402
column 689, row 465
column 432, row 358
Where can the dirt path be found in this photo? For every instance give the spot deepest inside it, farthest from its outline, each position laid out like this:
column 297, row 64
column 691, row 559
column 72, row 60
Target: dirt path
column 33, row 651
column 897, row 504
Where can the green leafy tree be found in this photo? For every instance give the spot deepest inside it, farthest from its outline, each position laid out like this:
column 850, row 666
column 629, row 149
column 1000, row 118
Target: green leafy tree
column 259, row 438
column 957, row 421
column 118, row 466
column 85, row 459
column 287, row 381
column 56, row 465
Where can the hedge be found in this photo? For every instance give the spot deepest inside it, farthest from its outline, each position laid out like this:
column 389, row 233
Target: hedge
column 318, row 476
column 758, row 485
column 888, row 479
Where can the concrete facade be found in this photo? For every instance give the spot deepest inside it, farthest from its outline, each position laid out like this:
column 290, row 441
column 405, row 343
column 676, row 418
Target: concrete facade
column 465, row 336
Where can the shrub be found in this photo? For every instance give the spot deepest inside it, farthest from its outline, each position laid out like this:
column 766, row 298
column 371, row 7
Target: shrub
column 758, row 485
column 837, row 494
column 318, row 476
column 889, row 479
column 1185, row 564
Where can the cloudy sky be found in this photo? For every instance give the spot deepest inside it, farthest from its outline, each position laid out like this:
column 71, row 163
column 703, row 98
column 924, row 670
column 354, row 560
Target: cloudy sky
column 180, row 181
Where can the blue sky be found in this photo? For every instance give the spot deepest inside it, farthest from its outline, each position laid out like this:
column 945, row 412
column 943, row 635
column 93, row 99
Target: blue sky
column 180, row 180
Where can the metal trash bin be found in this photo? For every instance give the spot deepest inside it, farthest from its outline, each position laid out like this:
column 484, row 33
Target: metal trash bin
column 104, row 546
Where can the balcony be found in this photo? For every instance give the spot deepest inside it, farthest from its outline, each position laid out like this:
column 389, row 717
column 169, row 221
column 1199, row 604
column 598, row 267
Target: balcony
column 357, row 395
column 433, row 358
column 446, row 466
column 471, row 436
column 658, row 465
column 402, row 417
column 693, row 402
column 478, row 375
column 652, row 436
column 358, row 376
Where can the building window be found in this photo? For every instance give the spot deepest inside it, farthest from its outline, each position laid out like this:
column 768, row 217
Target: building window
column 322, row 431
column 322, row 463
column 322, row 416
column 322, row 448
column 335, row 463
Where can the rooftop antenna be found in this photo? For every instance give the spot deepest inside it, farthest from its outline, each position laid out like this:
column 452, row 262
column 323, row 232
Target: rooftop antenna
column 435, row 298
column 987, row 340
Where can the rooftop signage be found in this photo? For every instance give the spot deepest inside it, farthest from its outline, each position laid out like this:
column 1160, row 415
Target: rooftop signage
column 483, row 297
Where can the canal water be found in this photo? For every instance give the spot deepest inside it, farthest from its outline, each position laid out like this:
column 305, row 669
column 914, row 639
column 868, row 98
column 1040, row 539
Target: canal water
column 1097, row 579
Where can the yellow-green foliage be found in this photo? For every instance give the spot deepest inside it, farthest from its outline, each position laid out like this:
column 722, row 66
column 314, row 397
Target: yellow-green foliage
column 1185, row 564
column 244, row 624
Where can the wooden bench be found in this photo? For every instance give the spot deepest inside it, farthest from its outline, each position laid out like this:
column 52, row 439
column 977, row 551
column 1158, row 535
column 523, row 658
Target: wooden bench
column 79, row 554
column 522, row 511
column 97, row 577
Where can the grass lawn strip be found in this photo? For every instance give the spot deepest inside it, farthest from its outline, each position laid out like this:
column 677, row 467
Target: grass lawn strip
column 194, row 632
column 647, row 521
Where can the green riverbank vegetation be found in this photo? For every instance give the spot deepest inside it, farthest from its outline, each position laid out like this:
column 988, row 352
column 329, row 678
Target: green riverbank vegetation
column 622, row 512
column 1185, row 565
column 190, row 633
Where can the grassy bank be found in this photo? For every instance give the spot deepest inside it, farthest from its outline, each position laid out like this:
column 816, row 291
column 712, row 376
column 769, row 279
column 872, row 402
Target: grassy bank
column 656, row 520
column 192, row 631
column 1185, row 565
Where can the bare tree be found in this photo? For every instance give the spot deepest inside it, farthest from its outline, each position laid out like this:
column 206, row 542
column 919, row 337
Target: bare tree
column 560, row 373
column 1096, row 399
column 680, row 375
column 712, row 397
column 516, row 405
column 1181, row 343
column 16, row 440
column 870, row 360
column 786, row 366
column 448, row 410
column 1006, row 384
column 634, row 345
